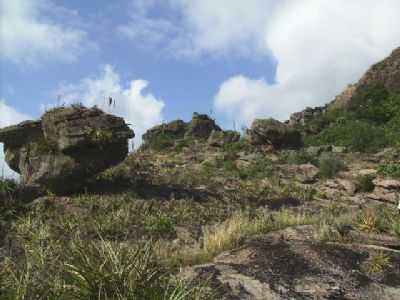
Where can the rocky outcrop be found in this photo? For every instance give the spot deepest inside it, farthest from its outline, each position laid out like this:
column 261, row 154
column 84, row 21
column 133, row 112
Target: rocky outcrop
column 386, row 190
column 220, row 138
column 271, row 132
column 384, row 74
column 288, row 264
column 64, row 148
column 303, row 117
column 200, row 127
column 305, row 173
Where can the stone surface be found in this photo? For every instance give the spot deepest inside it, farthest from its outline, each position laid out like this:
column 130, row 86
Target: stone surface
column 201, row 127
column 274, row 133
column 220, row 138
column 66, row 147
column 305, row 173
column 287, row 264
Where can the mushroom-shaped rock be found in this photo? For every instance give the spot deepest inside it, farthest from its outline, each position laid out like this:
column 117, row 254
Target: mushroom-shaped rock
column 67, row 146
column 275, row 133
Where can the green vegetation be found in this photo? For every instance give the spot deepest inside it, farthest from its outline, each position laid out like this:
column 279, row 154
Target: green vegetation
column 162, row 142
column 390, row 170
column 99, row 136
column 366, row 184
column 329, row 165
column 298, row 157
column 160, row 225
column 378, row 263
column 370, row 123
column 381, row 219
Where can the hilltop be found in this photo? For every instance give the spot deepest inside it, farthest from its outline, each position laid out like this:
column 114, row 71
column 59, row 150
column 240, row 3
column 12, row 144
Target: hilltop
column 303, row 209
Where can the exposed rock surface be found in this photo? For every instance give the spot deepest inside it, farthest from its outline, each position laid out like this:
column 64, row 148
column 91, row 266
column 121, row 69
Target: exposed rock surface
column 65, row 147
column 288, row 264
column 220, row 138
column 386, row 189
column 305, row 173
column 200, row 127
column 274, row 133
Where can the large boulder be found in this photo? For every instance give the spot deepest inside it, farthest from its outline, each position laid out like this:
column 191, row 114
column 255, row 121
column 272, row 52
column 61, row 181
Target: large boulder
column 66, row 147
column 272, row 132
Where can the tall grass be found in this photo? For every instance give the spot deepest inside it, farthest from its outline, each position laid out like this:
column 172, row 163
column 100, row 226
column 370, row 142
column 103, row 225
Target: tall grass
column 44, row 267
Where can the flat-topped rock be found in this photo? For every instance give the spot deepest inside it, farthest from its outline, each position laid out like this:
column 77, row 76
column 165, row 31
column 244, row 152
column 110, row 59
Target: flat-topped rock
column 66, row 147
column 274, row 133
column 20, row 134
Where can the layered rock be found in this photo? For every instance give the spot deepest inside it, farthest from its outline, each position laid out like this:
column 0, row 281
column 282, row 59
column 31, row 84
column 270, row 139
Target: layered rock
column 64, row 148
column 274, row 133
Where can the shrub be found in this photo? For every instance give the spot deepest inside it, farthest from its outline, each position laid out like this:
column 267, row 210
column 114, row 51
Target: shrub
column 298, row 157
column 389, row 170
column 378, row 263
column 357, row 135
column 160, row 142
column 329, row 165
column 159, row 225
column 366, row 184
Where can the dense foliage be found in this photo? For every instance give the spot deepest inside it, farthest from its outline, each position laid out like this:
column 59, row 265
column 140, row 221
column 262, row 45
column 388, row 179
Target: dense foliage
column 371, row 122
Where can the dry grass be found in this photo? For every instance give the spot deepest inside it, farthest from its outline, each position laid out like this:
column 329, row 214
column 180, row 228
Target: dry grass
column 230, row 233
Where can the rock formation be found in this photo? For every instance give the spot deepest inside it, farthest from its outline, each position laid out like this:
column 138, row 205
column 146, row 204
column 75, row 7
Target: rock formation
column 200, row 127
column 271, row 132
column 64, row 148
column 288, row 264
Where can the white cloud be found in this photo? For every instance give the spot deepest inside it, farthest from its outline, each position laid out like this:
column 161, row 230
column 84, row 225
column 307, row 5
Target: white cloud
column 9, row 116
column 320, row 47
column 192, row 28
column 139, row 108
column 29, row 35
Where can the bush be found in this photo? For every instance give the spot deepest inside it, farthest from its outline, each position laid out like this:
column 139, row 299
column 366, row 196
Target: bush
column 329, row 165
column 161, row 142
column 356, row 135
column 366, row 184
column 297, row 157
column 159, row 225
column 389, row 170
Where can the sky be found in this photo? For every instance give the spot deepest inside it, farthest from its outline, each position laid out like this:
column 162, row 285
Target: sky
column 165, row 59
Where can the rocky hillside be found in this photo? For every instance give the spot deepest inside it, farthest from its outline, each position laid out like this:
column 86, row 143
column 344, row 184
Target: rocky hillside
column 300, row 210
column 365, row 117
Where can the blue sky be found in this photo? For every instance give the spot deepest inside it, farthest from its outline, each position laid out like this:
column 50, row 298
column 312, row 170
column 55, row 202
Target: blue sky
column 164, row 59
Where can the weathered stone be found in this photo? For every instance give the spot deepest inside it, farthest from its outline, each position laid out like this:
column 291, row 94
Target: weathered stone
column 306, row 173
column 220, row 138
column 23, row 133
column 288, row 264
column 201, row 126
column 274, row 133
column 66, row 147
column 175, row 129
